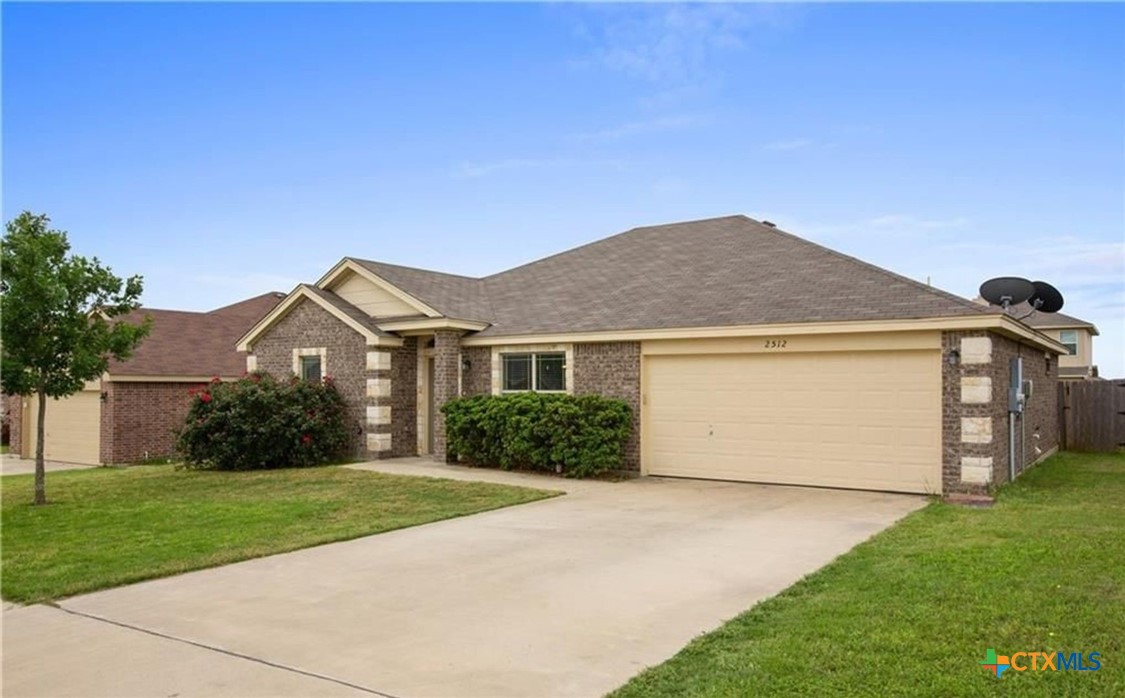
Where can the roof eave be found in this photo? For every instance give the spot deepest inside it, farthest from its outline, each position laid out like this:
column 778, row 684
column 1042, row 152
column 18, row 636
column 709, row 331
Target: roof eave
column 987, row 321
column 302, row 292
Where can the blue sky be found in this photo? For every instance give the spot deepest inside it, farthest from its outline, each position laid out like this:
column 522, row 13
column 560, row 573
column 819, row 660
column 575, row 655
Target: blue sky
column 227, row 150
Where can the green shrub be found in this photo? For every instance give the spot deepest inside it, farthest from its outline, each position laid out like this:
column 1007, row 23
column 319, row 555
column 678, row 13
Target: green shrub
column 577, row 436
column 259, row 422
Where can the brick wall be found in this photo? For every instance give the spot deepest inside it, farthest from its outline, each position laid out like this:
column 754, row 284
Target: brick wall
column 404, row 399
column 447, row 368
column 141, row 420
column 975, row 409
column 613, row 369
column 1040, row 419
column 14, row 406
column 310, row 326
column 478, row 379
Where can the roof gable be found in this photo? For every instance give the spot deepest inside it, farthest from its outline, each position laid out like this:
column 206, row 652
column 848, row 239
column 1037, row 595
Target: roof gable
column 342, row 310
column 373, row 291
column 450, row 294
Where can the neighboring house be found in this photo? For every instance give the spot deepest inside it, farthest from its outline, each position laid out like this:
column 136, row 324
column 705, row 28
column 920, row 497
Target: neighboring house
column 1076, row 335
column 745, row 352
column 131, row 413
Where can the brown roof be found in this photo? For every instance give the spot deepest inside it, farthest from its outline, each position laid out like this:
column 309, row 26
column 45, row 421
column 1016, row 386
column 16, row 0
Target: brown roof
column 720, row 271
column 186, row 343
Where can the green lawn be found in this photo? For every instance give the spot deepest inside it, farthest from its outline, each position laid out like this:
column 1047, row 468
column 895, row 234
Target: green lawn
column 106, row 527
column 912, row 611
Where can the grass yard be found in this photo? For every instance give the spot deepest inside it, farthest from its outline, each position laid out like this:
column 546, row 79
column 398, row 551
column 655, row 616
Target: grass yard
column 912, row 611
column 106, row 527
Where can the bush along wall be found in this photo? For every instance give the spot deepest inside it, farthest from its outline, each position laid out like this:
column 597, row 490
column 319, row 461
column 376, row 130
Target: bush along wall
column 576, row 436
column 260, row 422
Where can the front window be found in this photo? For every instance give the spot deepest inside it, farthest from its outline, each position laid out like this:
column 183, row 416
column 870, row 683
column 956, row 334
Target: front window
column 543, row 372
column 310, row 368
column 1070, row 339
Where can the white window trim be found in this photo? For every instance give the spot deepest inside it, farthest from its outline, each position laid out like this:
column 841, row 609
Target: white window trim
column 1067, row 344
column 498, row 366
column 322, row 352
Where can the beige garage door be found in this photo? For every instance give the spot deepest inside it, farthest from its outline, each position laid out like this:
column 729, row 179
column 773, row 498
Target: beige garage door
column 863, row 420
column 73, row 428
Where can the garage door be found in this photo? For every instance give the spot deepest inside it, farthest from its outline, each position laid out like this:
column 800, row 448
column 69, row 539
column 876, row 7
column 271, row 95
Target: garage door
column 73, row 428
column 863, row 420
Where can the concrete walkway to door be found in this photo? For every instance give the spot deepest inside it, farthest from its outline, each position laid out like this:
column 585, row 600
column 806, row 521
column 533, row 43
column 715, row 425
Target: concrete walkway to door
column 563, row 597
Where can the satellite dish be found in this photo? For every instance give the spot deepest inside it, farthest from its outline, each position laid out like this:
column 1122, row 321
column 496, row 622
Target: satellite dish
column 1007, row 290
column 1046, row 298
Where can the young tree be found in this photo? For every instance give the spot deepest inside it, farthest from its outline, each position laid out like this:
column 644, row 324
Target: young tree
column 60, row 319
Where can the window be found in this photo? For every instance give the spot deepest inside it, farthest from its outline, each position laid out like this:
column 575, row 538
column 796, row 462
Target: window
column 544, row 372
column 1070, row 339
column 310, row 368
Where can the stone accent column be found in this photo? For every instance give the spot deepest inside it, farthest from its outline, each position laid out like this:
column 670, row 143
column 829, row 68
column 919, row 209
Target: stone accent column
column 377, row 403
column 971, row 424
column 447, row 373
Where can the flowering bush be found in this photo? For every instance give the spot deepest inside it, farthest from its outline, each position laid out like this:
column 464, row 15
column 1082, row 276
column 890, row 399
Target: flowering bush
column 259, row 422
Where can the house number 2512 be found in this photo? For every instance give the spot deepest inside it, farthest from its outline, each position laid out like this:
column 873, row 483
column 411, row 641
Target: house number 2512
column 775, row 344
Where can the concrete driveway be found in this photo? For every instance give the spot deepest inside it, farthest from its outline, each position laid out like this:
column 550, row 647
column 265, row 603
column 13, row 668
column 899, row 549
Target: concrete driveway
column 564, row 597
column 14, row 465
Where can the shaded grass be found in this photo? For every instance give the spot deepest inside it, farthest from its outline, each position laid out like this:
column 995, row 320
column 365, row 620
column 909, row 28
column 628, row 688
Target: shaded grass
column 109, row 526
column 912, row 611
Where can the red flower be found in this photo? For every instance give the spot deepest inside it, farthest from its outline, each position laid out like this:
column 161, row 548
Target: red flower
column 216, row 379
column 306, row 439
column 328, row 379
column 205, row 397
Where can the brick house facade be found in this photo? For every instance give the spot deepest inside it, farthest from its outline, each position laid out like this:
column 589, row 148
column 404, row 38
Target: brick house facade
column 903, row 385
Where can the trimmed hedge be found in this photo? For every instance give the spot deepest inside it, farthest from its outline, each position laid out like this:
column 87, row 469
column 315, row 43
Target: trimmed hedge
column 259, row 422
column 576, row 436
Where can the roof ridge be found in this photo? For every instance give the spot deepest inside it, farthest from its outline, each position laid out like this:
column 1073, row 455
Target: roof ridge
column 612, row 237
column 403, row 266
column 874, row 267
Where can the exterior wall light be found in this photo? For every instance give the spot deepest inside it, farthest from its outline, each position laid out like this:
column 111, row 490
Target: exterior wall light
column 953, row 357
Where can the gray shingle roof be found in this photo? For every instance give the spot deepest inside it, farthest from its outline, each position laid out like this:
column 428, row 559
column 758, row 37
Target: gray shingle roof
column 454, row 296
column 720, row 271
column 1040, row 320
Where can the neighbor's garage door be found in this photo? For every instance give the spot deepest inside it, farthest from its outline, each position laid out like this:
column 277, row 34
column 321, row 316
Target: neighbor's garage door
column 73, row 428
column 855, row 419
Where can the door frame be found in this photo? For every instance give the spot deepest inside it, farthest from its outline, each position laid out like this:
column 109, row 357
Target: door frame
column 424, row 400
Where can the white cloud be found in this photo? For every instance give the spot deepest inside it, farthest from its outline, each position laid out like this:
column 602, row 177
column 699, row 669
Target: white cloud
column 902, row 221
column 473, row 170
column 640, row 128
column 672, row 43
column 792, row 144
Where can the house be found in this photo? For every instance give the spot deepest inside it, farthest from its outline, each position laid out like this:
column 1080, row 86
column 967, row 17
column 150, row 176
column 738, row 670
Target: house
column 745, row 352
column 1074, row 334
column 131, row 413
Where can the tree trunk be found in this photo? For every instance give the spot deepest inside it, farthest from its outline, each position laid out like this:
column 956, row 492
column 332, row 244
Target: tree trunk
column 40, row 467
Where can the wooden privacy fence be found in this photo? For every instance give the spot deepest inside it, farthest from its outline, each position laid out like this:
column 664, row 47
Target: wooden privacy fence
column 1092, row 415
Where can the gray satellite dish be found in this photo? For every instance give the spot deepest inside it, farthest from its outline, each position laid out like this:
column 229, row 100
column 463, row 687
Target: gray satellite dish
column 1007, row 290
column 1046, row 298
